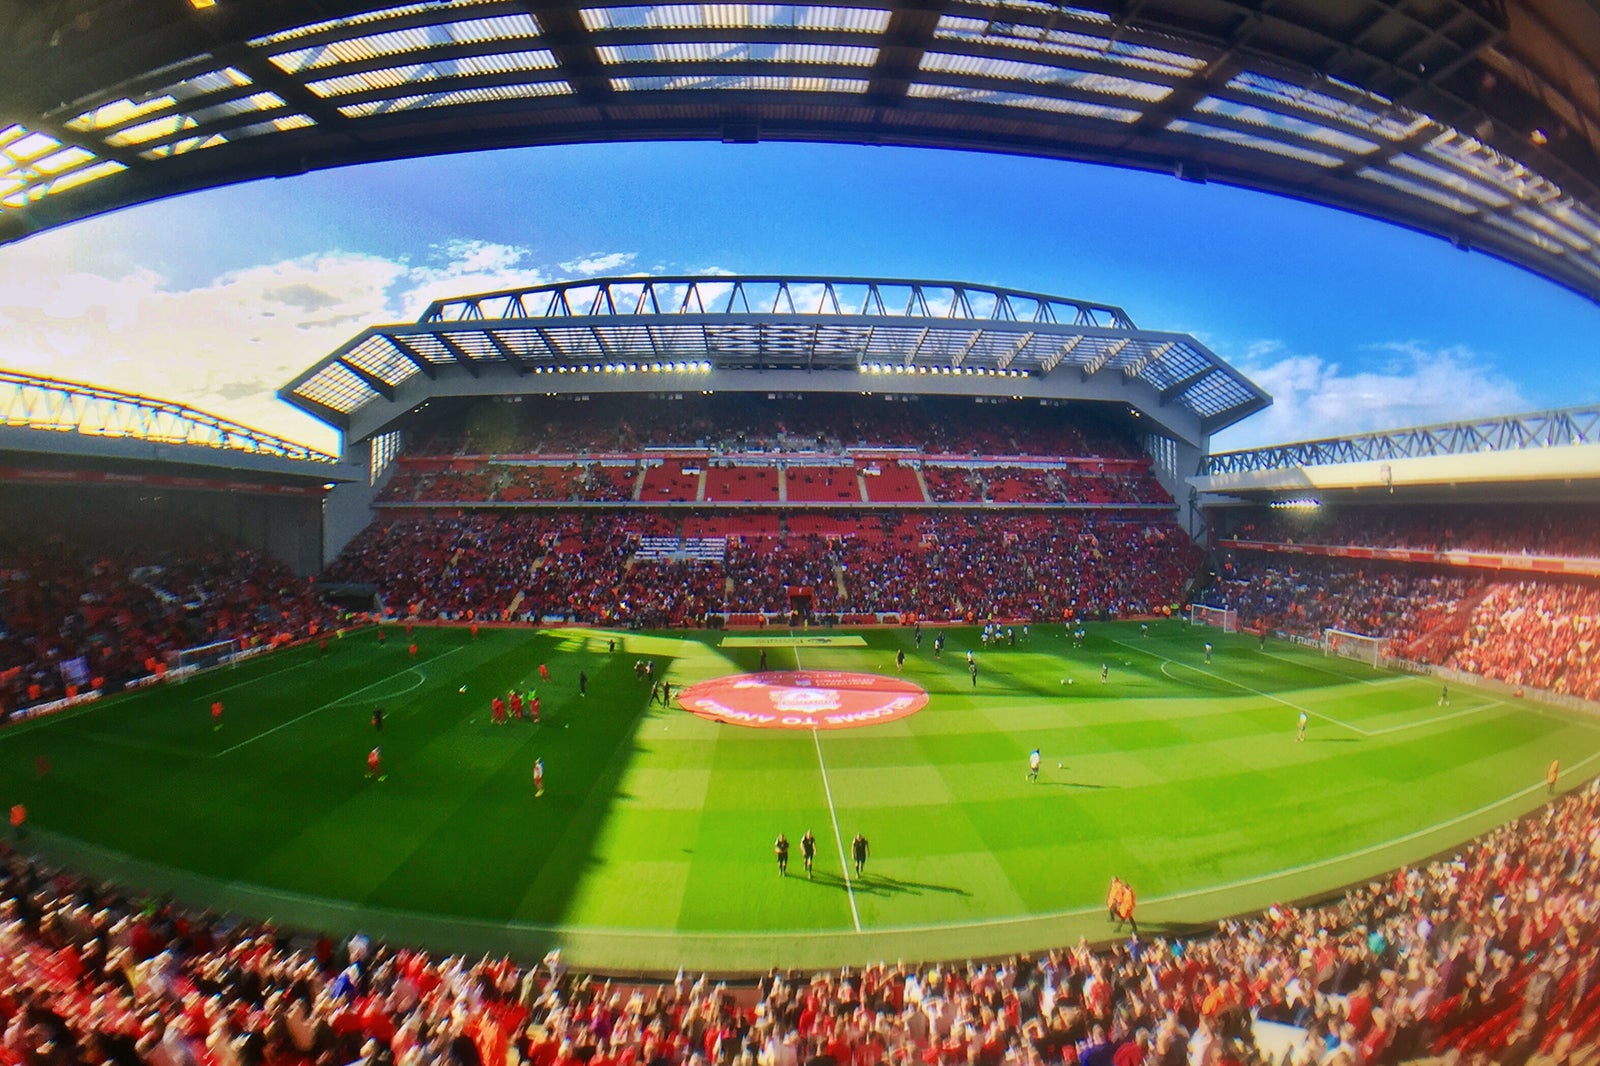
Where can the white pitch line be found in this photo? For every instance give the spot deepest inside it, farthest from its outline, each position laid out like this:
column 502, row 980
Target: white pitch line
column 255, row 680
column 332, row 703
column 1336, row 673
column 1326, row 717
column 1247, row 688
column 838, row 838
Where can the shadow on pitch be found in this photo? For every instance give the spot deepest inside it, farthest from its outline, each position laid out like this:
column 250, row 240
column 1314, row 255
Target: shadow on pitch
column 1334, row 740
column 874, row 885
column 1075, row 784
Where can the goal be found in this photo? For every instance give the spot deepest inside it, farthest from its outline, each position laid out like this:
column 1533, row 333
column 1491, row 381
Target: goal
column 1225, row 618
column 1357, row 646
column 181, row 664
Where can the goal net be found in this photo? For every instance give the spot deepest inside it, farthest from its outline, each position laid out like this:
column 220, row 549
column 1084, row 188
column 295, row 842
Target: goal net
column 1224, row 618
column 181, row 664
column 1357, row 646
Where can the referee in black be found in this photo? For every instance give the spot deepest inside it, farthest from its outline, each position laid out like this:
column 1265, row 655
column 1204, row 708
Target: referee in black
column 858, row 851
column 808, row 850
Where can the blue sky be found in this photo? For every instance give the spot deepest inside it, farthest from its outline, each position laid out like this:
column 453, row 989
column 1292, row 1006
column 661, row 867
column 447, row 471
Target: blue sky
column 217, row 298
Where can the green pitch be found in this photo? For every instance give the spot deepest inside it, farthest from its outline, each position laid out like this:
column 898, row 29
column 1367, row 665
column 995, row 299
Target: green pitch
column 652, row 846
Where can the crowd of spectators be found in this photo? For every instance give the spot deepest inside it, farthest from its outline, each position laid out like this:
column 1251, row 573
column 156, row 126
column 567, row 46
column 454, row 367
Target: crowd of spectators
column 1304, row 595
column 106, row 603
column 1492, row 954
column 1530, row 634
column 1535, row 634
column 585, row 567
column 1569, row 530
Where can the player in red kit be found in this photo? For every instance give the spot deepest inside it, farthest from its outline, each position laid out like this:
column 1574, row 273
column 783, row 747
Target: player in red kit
column 375, row 764
column 516, row 705
column 538, row 777
column 216, row 715
column 413, row 649
column 544, row 672
column 497, row 711
column 533, row 710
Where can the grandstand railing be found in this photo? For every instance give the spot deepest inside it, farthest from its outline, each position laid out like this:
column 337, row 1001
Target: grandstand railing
column 1539, row 429
column 52, row 404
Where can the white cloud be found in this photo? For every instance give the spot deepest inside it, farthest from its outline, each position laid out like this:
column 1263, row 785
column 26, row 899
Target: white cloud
column 1408, row 384
column 227, row 345
column 598, row 263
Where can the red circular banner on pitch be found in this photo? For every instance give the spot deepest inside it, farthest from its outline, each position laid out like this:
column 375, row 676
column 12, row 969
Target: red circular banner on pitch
column 803, row 699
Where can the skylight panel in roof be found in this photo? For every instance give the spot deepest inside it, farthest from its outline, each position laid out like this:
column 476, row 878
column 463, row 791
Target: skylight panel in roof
column 365, row 18
column 1081, row 108
column 455, row 97
column 422, row 73
column 1040, row 74
column 735, row 16
column 1449, row 178
column 1490, row 167
column 379, row 358
column 336, row 386
column 153, row 130
column 241, row 106
column 1272, row 120
column 1249, row 140
column 21, row 146
column 182, row 146
column 73, row 178
column 69, row 157
column 1533, row 216
column 1578, row 217
column 1430, row 193
column 508, row 28
column 1374, row 113
column 740, row 52
column 754, row 82
column 1067, row 43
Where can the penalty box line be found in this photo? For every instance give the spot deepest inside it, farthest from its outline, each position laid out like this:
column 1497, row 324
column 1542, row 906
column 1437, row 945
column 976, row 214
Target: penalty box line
column 335, row 702
column 1369, row 733
column 838, row 837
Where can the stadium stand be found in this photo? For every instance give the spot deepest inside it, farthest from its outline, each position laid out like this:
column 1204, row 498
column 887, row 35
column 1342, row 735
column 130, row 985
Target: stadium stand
column 86, row 605
column 1492, row 953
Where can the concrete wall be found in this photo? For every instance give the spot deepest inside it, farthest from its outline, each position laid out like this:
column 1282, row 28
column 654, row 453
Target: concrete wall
column 347, row 510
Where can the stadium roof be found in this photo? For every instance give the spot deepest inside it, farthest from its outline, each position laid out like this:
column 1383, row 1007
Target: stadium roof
column 1476, row 120
column 643, row 334
column 46, row 416
column 1540, row 455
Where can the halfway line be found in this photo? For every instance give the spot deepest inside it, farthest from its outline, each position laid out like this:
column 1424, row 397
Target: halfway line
column 838, row 838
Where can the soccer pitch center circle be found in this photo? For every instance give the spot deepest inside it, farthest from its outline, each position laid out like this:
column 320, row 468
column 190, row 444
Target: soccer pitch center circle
column 804, row 699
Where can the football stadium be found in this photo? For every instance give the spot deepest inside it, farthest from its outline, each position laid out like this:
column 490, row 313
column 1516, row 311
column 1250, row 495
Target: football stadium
column 714, row 669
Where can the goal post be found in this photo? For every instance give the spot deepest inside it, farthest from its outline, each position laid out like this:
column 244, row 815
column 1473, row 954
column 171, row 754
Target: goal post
column 1358, row 646
column 182, row 663
column 1224, row 618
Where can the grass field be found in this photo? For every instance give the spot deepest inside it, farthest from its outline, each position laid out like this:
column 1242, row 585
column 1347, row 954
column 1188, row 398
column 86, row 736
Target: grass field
column 652, row 846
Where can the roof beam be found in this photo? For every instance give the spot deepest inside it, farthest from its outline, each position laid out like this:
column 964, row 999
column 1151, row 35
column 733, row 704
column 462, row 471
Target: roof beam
column 900, row 51
column 563, row 32
column 1183, row 385
column 458, row 353
column 422, row 362
column 371, row 380
column 1108, row 353
column 505, row 352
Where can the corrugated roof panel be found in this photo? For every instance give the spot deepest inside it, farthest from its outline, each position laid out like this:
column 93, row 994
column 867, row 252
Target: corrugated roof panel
column 452, row 98
column 1041, row 74
column 736, row 16
column 1249, row 140
column 365, row 18
column 1274, row 121
column 752, row 82
column 1067, row 44
column 1025, row 100
column 423, row 73
column 1511, row 178
column 1374, row 113
column 416, row 39
column 1418, row 189
column 1449, row 178
column 741, row 52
